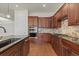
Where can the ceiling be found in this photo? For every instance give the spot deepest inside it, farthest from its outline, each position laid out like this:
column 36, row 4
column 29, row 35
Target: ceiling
column 32, row 7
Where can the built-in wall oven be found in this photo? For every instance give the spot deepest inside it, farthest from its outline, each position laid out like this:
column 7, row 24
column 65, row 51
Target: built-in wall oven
column 33, row 31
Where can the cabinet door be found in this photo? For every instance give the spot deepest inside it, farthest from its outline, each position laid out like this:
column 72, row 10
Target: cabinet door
column 56, row 22
column 13, row 51
column 73, row 14
column 73, row 54
column 30, row 21
column 66, row 51
column 33, row 21
column 44, row 22
column 40, row 22
column 35, row 18
column 44, row 37
column 65, row 10
column 52, row 22
column 26, row 47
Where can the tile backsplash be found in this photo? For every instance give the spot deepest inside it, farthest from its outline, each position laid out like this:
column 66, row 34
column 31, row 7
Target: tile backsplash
column 45, row 30
column 69, row 30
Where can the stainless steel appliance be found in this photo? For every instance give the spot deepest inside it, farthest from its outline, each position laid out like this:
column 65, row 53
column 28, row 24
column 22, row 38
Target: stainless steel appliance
column 33, row 31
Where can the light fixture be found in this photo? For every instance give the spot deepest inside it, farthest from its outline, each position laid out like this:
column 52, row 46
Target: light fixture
column 44, row 5
column 8, row 14
column 17, row 5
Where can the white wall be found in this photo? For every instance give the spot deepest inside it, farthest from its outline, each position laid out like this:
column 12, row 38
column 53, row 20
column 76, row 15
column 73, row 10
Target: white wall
column 41, row 14
column 21, row 22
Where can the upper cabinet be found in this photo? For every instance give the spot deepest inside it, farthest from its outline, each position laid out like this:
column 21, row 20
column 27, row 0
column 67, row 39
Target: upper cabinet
column 73, row 14
column 69, row 10
column 44, row 22
column 64, row 9
column 56, row 20
column 33, row 21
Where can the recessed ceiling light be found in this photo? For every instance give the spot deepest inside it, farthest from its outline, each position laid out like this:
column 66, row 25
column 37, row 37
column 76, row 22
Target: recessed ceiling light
column 17, row 5
column 44, row 5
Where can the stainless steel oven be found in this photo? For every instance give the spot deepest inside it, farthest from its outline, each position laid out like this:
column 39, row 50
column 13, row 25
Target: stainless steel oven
column 33, row 31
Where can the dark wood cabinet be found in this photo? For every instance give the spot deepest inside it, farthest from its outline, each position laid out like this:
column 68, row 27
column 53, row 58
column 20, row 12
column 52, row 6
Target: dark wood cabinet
column 69, row 48
column 56, row 20
column 64, row 9
column 56, row 44
column 33, row 21
column 64, row 47
column 69, row 52
column 19, row 49
column 69, row 10
column 73, row 14
column 44, row 37
column 13, row 51
column 26, row 47
column 56, row 23
column 44, row 22
column 65, row 51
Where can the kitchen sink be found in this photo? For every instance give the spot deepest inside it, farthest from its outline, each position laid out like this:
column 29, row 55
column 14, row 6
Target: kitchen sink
column 4, row 43
column 13, row 39
column 7, row 41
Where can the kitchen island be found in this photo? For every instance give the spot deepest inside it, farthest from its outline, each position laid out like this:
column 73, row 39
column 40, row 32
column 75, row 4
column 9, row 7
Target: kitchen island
column 16, row 47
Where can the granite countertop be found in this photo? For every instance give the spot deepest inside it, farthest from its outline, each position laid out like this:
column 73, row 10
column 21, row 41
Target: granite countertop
column 69, row 38
column 11, row 36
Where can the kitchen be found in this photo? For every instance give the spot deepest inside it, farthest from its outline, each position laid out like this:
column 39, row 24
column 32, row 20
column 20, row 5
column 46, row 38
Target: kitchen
column 39, row 29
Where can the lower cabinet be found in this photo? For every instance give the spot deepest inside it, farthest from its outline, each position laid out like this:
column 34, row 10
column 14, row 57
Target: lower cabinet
column 56, row 44
column 19, row 49
column 69, row 52
column 69, row 48
column 44, row 37
column 12, row 51
column 64, row 47
column 26, row 48
column 65, row 51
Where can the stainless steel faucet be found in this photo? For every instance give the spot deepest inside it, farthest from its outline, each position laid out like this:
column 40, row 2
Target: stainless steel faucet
column 3, row 29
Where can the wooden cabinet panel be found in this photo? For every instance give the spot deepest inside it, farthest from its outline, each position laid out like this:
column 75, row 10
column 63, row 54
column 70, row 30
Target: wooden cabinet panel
column 56, row 23
column 57, row 19
column 65, row 51
column 13, row 51
column 30, row 21
column 65, row 10
column 69, row 48
column 69, row 52
column 19, row 49
column 73, row 14
column 44, row 22
column 26, row 47
column 44, row 37
column 56, row 44
column 33, row 21
column 52, row 22
column 64, row 47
